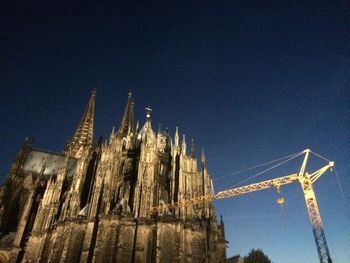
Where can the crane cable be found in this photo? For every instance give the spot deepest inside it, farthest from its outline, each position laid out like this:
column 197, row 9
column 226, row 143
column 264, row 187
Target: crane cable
column 335, row 172
column 338, row 181
column 257, row 166
column 320, row 156
column 268, row 169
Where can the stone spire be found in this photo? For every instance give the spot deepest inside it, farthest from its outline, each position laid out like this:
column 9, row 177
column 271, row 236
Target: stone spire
column 193, row 151
column 222, row 227
column 159, row 128
column 183, row 146
column 84, row 133
column 128, row 118
column 203, row 160
column 176, row 137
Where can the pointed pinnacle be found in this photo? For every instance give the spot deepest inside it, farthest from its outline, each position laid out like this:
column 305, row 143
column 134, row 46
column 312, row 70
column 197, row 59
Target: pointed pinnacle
column 183, row 146
column 203, row 158
column 176, row 137
column 193, row 151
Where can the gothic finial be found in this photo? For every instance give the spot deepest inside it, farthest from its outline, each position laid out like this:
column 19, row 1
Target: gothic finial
column 193, row 151
column 183, row 146
column 130, row 93
column 159, row 128
column 176, row 137
column 203, row 159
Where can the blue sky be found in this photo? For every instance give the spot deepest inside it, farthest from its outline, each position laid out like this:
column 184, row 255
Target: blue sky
column 250, row 82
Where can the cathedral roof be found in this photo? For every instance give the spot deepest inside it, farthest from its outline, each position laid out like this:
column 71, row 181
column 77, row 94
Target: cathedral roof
column 47, row 163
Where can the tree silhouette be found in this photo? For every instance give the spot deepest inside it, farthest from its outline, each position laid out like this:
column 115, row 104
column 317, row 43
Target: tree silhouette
column 256, row 256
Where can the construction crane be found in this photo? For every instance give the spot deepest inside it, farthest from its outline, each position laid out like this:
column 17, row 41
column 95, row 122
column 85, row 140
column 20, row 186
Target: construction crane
column 306, row 181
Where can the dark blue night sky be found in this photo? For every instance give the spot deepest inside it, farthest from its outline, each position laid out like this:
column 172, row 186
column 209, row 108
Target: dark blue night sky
column 250, row 82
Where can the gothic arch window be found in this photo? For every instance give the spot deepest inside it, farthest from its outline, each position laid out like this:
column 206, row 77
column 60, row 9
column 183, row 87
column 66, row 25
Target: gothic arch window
column 58, row 247
column 75, row 247
column 13, row 216
column 198, row 253
column 47, row 250
column 160, row 168
column 127, row 246
column 167, row 247
column 116, row 197
column 124, row 144
column 88, row 181
column 151, row 246
column 109, row 253
column 107, row 249
column 122, row 164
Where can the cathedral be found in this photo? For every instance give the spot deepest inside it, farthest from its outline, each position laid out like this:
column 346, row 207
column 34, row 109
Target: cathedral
column 94, row 201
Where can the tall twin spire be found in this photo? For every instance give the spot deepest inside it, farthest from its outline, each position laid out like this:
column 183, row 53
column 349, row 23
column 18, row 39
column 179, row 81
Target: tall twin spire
column 84, row 133
column 127, row 125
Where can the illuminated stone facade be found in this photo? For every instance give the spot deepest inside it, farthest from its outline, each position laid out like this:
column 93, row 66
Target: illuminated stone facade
column 92, row 203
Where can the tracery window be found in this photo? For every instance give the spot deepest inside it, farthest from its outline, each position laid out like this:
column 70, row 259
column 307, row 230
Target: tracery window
column 107, row 249
column 127, row 246
column 75, row 247
column 167, row 247
column 151, row 246
column 110, row 246
column 198, row 252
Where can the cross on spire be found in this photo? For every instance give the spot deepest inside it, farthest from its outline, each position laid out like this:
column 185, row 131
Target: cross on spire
column 148, row 112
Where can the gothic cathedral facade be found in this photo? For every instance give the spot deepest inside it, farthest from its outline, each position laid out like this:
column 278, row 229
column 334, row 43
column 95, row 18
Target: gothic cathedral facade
column 93, row 202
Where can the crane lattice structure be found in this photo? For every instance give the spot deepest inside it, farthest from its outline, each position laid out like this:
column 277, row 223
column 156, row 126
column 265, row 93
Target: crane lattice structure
column 306, row 181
